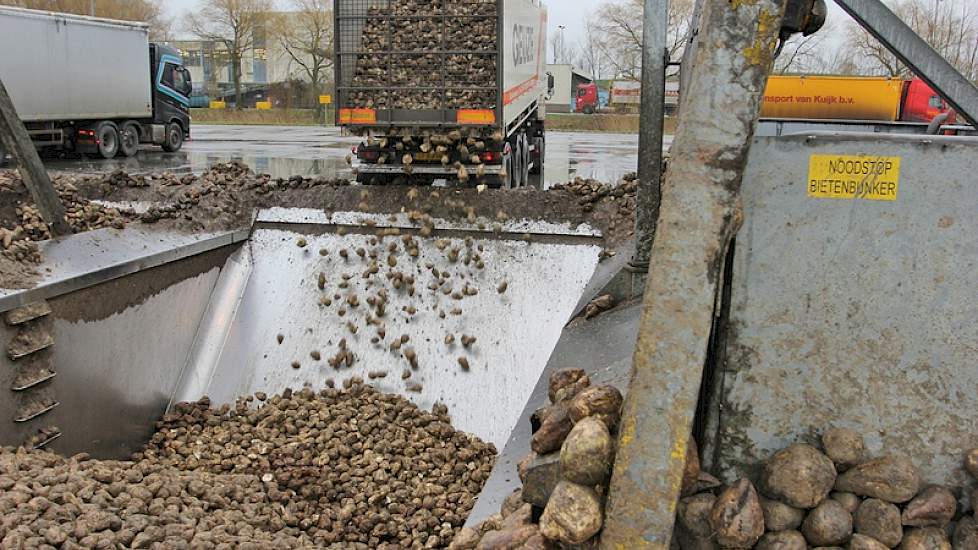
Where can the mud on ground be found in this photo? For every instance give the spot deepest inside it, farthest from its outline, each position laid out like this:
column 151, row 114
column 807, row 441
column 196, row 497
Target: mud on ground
column 226, row 196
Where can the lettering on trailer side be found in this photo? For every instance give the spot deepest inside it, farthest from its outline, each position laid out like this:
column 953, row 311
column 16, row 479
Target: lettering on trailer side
column 854, row 177
column 524, row 45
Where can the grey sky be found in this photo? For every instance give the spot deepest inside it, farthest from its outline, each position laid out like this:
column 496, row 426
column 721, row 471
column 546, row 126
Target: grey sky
column 569, row 13
column 561, row 12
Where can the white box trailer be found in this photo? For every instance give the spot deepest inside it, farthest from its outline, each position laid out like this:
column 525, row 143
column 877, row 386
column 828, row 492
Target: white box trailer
column 430, row 76
column 68, row 74
column 626, row 94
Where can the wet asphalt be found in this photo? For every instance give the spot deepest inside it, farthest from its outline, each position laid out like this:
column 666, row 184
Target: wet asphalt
column 284, row 151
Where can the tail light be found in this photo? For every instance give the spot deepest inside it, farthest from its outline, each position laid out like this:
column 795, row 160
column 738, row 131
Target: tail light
column 475, row 116
column 489, row 156
column 369, row 155
column 86, row 133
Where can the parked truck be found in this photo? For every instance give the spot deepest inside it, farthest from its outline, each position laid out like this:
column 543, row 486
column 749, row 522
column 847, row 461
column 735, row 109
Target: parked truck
column 93, row 86
column 852, row 98
column 626, row 96
column 456, row 92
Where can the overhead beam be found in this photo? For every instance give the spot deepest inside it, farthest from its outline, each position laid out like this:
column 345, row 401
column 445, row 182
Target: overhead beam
column 879, row 21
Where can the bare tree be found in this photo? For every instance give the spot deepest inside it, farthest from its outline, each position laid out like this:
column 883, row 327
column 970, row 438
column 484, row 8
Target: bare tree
column 562, row 52
column 591, row 56
column 949, row 26
column 618, row 26
column 147, row 11
column 306, row 35
column 805, row 53
column 233, row 23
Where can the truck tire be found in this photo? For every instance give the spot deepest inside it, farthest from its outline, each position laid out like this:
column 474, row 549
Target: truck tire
column 129, row 139
column 524, row 160
column 173, row 138
column 506, row 182
column 589, row 109
column 540, row 146
column 3, row 155
column 108, row 139
column 516, row 164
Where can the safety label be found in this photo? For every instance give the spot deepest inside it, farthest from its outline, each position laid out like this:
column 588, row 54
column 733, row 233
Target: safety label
column 854, row 177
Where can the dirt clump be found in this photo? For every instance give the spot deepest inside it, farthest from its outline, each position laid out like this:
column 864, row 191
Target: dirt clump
column 21, row 225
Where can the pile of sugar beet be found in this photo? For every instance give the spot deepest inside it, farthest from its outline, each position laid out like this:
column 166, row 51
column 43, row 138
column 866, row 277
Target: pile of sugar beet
column 338, row 468
column 832, row 497
column 565, row 478
column 804, row 497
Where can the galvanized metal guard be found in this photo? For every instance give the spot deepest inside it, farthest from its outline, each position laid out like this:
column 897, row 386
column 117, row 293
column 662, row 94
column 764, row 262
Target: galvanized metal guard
column 873, row 327
column 917, row 54
column 654, row 59
column 700, row 213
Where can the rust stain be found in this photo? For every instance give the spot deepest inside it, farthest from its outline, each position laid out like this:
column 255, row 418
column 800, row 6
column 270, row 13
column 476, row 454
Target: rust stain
column 945, row 222
column 761, row 52
column 627, row 433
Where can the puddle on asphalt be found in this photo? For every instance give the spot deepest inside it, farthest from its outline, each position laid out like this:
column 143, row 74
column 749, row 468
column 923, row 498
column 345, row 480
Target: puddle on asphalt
column 567, row 158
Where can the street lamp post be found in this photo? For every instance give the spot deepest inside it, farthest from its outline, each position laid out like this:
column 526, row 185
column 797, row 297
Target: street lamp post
column 559, row 53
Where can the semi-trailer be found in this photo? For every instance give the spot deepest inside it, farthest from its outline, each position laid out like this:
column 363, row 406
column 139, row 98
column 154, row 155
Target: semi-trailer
column 879, row 99
column 90, row 85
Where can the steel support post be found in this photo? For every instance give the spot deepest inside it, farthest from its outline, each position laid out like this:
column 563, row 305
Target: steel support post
column 16, row 140
column 654, row 60
column 689, row 53
column 699, row 215
column 917, row 54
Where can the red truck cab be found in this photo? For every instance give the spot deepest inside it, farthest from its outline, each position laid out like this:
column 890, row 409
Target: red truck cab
column 922, row 104
column 587, row 98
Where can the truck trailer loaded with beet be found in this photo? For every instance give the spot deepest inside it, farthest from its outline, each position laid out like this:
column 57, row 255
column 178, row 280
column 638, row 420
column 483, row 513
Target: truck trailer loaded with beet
column 90, row 85
column 454, row 91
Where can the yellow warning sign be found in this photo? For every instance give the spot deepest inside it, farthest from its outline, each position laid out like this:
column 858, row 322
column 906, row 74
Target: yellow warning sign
column 854, row 177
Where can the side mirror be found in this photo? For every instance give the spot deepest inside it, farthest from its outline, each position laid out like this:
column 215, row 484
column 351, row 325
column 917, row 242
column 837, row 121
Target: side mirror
column 550, row 81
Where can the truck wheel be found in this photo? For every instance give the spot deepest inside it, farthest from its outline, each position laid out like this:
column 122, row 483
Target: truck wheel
column 108, row 139
column 506, row 182
column 589, row 109
column 524, row 160
column 129, row 139
column 173, row 140
column 540, row 146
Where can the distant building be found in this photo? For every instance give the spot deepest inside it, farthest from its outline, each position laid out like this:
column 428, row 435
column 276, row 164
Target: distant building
column 266, row 70
column 566, row 79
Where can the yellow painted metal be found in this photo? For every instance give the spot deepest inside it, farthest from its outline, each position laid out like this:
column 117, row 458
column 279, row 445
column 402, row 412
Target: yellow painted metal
column 218, row 105
column 833, row 98
column 854, row 177
column 263, row 105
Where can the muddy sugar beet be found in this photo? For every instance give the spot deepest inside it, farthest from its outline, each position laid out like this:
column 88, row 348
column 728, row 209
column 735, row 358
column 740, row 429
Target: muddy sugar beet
column 355, row 469
column 828, row 494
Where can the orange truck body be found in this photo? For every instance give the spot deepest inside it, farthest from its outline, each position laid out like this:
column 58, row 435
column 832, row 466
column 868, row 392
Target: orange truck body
column 833, row 98
column 850, row 98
